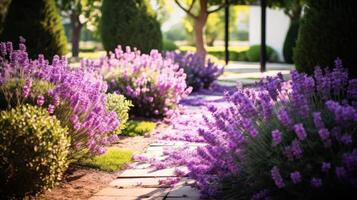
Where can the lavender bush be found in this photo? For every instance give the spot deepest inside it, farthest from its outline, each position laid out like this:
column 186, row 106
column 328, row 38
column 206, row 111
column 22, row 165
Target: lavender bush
column 199, row 74
column 280, row 140
column 76, row 97
column 153, row 84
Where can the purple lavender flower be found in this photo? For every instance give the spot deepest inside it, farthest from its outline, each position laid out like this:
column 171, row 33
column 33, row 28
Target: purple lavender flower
column 346, row 139
column 27, row 87
column 51, row 108
column 340, row 172
column 316, row 182
column 317, row 120
column 40, row 100
column 275, row 175
column 276, row 137
column 296, row 149
column 326, row 166
column 324, row 134
column 284, row 118
column 295, row 177
column 300, row 131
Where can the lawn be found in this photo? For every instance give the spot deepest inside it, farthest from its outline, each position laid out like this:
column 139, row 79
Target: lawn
column 113, row 160
column 138, row 127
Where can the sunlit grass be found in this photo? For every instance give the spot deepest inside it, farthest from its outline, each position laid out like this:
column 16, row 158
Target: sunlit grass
column 113, row 160
column 216, row 48
column 138, row 127
column 92, row 55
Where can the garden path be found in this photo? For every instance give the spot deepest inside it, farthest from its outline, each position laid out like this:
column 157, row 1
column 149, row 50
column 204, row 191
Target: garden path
column 141, row 180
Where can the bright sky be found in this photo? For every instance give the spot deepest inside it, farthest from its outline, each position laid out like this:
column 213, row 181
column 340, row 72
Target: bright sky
column 175, row 16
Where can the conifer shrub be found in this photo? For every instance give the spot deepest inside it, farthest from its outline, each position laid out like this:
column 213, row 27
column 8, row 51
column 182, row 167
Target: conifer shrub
column 327, row 30
column 40, row 23
column 130, row 23
column 33, row 151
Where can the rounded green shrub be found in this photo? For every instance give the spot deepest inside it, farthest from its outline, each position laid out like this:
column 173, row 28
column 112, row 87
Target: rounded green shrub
column 327, row 30
column 169, row 45
column 290, row 41
column 11, row 92
column 39, row 23
column 129, row 23
column 33, row 151
column 253, row 54
column 121, row 106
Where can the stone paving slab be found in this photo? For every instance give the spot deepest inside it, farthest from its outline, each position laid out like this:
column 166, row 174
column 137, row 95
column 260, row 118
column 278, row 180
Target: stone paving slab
column 132, row 193
column 136, row 182
column 184, row 192
column 148, row 172
column 138, row 165
column 125, row 198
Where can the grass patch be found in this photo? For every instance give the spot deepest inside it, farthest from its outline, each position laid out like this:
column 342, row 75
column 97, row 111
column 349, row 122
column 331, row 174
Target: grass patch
column 138, row 127
column 92, row 55
column 215, row 48
column 114, row 159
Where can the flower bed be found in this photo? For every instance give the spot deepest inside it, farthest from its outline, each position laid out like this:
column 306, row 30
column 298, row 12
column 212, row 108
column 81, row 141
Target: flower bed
column 199, row 74
column 281, row 140
column 154, row 85
column 76, row 97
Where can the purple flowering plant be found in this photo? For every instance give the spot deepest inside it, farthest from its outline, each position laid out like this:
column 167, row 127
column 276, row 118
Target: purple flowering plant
column 291, row 139
column 76, row 97
column 199, row 73
column 155, row 85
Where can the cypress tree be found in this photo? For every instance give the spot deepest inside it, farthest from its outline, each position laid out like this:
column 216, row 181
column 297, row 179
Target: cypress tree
column 39, row 22
column 129, row 23
column 328, row 30
column 290, row 41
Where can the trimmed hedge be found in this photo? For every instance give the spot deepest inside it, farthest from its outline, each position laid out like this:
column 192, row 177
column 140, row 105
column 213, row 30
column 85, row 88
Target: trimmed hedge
column 39, row 22
column 290, row 41
column 253, row 54
column 33, row 151
column 327, row 30
column 129, row 23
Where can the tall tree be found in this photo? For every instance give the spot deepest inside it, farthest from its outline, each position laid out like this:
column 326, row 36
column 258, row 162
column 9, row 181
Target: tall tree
column 39, row 22
column 3, row 11
column 293, row 9
column 199, row 11
column 80, row 13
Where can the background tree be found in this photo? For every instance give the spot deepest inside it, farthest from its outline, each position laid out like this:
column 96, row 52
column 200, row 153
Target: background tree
column 214, row 25
column 199, row 11
column 293, row 9
column 131, row 23
column 80, row 13
column 39, row 22
column 328, row 30
column 3, row 11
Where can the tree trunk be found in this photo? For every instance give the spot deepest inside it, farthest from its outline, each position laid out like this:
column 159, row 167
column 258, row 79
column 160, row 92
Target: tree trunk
column 200, row 24
column 76, row 27
column 200, row 36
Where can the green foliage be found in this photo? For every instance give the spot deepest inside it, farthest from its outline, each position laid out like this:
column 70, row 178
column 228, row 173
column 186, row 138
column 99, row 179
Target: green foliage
column 113, row 160
column 39, row 23
column 120, row 105
column 33, row 151
column 253, row 54
column 327, row 30
column 3, row 11
column 261, row 156
column 233, row 55
column 176, row 32
column 290, row 41
column 138, row 127
column 130, row 23
column 11, row 92
column 169, row 45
